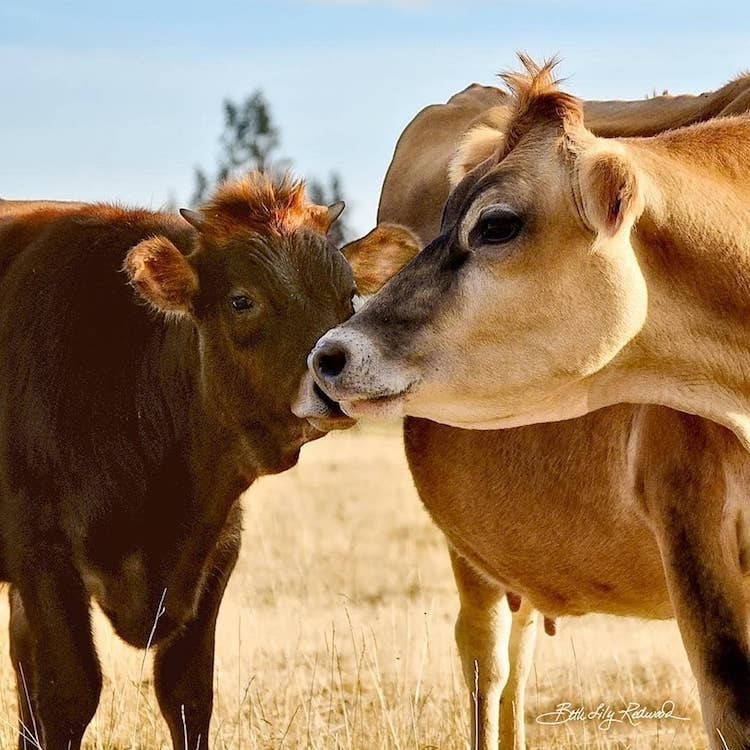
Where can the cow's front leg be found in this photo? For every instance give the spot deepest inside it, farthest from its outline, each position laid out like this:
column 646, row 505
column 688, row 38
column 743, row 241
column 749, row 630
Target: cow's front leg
column 483, row 632
column 523, row 632
column 184, row 664
column 690, row 473
column 57, row 671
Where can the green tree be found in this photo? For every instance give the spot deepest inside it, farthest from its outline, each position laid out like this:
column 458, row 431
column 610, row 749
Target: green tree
column 250, row 141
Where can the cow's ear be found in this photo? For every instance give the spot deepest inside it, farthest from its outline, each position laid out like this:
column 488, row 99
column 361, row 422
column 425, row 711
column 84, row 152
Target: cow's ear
column 609, row 191
column 162, row 275
column 380, row 254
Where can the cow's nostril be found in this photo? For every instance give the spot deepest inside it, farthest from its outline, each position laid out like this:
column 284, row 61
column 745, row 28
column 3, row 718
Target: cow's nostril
column 330, row 361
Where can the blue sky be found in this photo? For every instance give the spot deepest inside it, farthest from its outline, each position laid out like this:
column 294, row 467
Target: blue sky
column 119, row 101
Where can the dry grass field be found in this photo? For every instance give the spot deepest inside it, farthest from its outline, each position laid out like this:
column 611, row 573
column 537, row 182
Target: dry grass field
column 337, row 632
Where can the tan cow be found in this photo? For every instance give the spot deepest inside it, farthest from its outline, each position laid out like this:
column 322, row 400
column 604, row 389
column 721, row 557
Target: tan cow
column 716, row 643
column 509, row 501
column 536, row 461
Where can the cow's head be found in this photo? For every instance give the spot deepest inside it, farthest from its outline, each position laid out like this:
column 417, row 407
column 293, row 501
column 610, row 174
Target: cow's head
column 532, row 288
column 374, row 258
column 261, row 285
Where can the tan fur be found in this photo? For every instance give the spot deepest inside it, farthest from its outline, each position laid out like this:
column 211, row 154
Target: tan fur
column 512, row 501
column 605, row 118
column 608, row 189
column 535, row 98
column 480, row 142
column 428, row 143
column 379, row 254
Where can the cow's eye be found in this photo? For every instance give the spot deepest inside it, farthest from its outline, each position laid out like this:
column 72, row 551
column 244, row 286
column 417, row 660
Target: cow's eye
column 497, row 225
column 241, row 302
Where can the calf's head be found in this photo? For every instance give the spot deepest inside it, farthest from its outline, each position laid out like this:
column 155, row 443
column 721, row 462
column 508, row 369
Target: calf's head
column 261, row 284
column 532, row 287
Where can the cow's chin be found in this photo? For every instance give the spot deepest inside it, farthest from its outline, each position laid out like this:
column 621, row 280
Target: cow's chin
column 274, row 456
column 285, row 461
column 382, row 407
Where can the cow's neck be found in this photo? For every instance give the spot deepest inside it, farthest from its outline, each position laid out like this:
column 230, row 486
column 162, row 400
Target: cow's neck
column 693, row 246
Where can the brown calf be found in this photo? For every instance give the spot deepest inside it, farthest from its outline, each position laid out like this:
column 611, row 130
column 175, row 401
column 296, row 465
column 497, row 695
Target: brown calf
column 133, row 416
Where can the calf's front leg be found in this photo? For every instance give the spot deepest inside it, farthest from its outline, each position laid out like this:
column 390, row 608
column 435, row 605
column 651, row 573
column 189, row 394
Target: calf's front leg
column 23, row 663
column 690, row 476
column 184, row 664
column 57, row 671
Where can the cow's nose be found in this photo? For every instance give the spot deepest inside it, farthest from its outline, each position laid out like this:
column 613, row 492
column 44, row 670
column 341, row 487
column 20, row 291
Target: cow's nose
column 341, row 364
column 329, row 360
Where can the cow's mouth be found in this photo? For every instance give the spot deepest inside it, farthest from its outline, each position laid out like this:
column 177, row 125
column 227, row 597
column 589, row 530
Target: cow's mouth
column 321, row 411
column 388, row 406
column 335, row 417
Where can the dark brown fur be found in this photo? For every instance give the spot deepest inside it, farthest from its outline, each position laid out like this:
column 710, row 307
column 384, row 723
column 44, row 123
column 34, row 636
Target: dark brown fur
column 128, row 435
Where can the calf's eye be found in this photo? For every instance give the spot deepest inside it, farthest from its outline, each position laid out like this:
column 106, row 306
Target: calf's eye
column 241, row 302
column 497, row 225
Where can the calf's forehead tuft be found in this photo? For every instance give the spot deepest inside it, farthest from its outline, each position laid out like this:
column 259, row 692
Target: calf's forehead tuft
column 267, row 205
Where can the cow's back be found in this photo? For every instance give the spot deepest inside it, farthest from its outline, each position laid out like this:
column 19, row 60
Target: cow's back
column 10, row 209
column 21, row 220
column 417, row 184
column 74, row 340
column 417, row 178
column 656, row 114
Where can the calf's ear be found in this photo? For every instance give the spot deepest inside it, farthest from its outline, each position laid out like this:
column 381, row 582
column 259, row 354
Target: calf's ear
column 609, row 191
column 380, row 254
column 321, row 218
column 162, row 275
